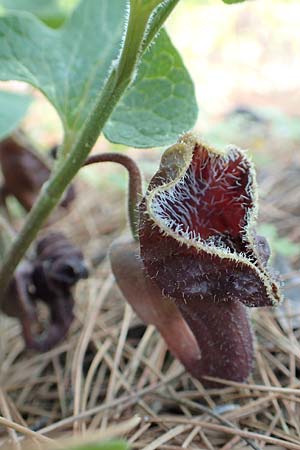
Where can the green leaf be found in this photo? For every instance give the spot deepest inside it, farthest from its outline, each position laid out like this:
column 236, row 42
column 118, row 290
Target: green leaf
column 52, row 12
column 13, row 108
column 286, row 247
column 162, row 97
column 70, row 64
column 231, row 2
column 109, row 445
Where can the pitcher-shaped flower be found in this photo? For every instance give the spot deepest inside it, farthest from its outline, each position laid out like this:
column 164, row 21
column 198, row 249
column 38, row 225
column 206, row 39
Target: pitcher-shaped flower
column 199, row 245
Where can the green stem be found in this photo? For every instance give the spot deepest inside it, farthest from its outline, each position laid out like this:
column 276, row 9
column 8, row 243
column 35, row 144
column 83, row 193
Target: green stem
column 157, row 21
column 134, row 185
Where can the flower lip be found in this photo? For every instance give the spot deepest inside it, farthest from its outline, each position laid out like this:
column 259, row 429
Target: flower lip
column 209, row 203
column 200, row 211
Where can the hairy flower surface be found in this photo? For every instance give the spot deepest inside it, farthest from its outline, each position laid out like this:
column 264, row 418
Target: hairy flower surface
column 198, row 244
column 197, row 230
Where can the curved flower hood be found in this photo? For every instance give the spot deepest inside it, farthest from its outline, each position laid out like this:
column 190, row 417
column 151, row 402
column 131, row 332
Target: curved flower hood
column 197, row 227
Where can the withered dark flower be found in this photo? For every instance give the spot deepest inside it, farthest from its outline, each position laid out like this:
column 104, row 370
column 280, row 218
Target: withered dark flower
column 199, row 245
column 49, row 278
column 24, row 172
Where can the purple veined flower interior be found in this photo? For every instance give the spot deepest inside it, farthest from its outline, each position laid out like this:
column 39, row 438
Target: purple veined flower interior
column 210, row 202
column 197, row 227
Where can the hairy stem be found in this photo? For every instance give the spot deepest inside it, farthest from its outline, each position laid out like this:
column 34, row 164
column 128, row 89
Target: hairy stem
column 134, row 185
column 119, row 79
column 158, row 19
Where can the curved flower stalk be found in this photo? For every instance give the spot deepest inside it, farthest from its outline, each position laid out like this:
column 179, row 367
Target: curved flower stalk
column 199, row 245
column 134, row 183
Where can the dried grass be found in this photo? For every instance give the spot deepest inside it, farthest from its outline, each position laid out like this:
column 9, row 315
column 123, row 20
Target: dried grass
column 103, row 381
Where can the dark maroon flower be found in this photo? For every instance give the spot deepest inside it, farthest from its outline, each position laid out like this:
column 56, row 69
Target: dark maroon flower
column 48, row 278
column 24, row 173
column 198, row 244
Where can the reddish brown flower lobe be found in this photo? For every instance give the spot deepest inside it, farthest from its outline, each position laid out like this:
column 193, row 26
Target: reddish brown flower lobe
column 197, row 227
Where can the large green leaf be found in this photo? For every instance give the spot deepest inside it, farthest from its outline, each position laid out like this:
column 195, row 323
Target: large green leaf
column 13, row 108
column 231, row 2
column 70, row 64
column 160, row 105
column 52, row 12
